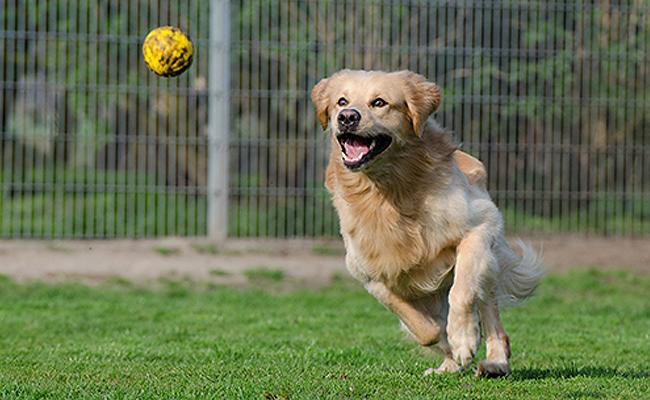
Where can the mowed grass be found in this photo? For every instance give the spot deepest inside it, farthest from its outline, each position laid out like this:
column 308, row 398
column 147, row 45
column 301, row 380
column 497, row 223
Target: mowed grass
column 585, row 335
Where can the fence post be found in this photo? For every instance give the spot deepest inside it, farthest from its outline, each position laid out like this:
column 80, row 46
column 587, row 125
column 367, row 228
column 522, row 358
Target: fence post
column 218, row 119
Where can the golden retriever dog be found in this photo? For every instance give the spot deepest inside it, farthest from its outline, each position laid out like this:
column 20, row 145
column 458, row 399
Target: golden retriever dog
column 420, row 230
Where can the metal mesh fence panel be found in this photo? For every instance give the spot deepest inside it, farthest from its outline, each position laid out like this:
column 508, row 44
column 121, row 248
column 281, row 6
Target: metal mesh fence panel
column 553, row 96
column 93, row 145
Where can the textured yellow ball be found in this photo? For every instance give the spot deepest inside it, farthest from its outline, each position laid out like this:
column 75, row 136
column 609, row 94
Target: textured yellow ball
column 167, row 51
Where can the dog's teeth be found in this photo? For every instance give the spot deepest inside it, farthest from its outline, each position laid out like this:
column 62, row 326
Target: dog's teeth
column 348, row 158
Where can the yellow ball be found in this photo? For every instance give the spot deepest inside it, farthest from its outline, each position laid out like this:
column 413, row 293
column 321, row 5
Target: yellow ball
column 167, row 51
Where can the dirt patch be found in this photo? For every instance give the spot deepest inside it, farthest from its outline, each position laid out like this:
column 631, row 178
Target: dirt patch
column 565, row 252
column 303, row 262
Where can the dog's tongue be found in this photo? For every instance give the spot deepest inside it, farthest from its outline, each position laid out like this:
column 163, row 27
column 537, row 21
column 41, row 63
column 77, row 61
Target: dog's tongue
column 355, row 149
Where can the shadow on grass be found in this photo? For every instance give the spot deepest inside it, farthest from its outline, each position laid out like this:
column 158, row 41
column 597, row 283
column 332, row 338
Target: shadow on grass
column 573, row 372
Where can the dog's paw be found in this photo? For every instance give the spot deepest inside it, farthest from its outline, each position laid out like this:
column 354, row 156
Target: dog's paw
column 464, row 354
column 448, row 366
column 487, row 369
column 464, row 337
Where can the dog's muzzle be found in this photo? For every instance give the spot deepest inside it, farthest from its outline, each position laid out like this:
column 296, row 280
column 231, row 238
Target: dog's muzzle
column 348, row 120
column 358, row 150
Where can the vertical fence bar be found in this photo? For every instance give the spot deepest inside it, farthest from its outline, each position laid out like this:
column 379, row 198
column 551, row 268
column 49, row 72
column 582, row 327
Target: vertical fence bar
column 218, row 119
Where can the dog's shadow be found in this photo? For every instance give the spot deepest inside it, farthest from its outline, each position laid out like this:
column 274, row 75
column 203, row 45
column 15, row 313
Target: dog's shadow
column 573, row 372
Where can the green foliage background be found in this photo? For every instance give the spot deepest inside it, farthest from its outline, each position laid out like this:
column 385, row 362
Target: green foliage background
column 551, row 95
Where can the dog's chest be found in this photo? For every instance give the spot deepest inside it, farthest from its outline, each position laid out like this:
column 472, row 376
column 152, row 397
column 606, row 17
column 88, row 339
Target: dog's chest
column 384, row 245
column 413, row 253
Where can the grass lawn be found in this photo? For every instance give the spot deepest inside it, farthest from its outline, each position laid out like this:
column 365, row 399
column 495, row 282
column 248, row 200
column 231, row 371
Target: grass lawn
column 585, row 335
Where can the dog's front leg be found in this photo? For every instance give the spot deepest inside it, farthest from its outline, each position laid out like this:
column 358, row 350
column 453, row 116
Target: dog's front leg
column 474, row 266
column 425, row 331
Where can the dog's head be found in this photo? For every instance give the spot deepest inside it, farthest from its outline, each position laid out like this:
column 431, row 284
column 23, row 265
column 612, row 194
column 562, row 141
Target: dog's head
column 374, row 113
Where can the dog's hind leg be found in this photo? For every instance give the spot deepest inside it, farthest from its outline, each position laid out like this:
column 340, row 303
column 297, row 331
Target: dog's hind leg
column 497, row 344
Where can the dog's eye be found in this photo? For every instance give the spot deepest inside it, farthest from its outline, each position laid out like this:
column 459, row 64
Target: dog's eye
column 342, row 102
column 378, row 102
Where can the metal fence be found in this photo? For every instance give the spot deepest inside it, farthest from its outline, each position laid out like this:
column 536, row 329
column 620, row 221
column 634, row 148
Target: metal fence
column 553, row 96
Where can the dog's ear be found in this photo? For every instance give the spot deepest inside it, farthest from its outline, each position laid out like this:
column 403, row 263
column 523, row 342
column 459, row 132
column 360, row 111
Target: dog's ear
column 320, row 98
column 422, row 99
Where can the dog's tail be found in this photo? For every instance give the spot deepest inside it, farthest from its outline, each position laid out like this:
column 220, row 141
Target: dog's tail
column 519, row 274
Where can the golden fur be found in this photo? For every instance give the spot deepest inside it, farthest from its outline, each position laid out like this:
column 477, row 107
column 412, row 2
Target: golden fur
column 420, row 229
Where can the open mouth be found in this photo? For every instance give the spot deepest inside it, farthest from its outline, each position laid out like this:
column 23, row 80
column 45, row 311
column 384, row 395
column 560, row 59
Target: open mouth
column 359, row 150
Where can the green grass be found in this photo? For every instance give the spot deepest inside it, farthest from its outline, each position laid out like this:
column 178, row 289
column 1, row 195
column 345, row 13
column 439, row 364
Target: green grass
column 37, row 209
column 218, row 272
column 206, row 248
column 68, row 202
column 105, row 215
column 166, row 251
column 264, row 274
column 330, row 250
column 585, row 335
column 603, row 215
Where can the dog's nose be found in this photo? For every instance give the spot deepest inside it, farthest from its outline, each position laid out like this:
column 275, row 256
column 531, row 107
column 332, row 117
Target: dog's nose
column 349, row 118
